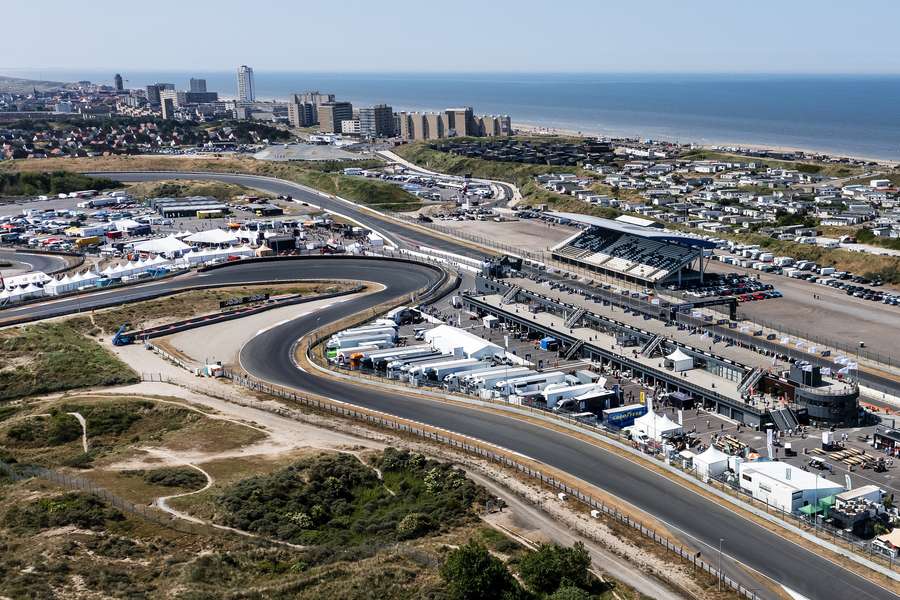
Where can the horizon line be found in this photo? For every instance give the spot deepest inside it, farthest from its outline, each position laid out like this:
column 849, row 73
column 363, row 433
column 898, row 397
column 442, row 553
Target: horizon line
column 453, row 72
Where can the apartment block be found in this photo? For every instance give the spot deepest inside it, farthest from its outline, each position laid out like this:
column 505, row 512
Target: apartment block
column 331, row 114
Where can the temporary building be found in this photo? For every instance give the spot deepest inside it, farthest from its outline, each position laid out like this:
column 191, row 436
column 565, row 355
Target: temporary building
column 680, row 361
column 657, row 427
column 212, row 237
column 453, row 340
column 785, row 486
column 35, row 277
column 169, row 246
column 31, row 291
column 710, row 463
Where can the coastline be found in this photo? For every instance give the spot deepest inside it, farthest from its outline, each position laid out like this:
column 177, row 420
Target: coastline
column 537, row 129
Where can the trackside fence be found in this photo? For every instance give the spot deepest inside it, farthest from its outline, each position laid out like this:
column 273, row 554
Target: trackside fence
column 72, row 482
column 475, row 449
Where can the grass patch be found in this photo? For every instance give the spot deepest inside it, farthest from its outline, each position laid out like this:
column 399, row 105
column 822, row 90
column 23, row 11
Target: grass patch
column 52, row 357
column 171, row 477
column 197, row 302
column 52, row 437
column 81, row 510
column 50, row 183
column 180, row 188
column 335, row 501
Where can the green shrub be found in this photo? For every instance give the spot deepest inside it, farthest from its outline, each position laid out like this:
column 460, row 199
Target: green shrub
column 544, row 570
column 472, row 573
column 176, row 477
column 335, row 500
column 81, row 510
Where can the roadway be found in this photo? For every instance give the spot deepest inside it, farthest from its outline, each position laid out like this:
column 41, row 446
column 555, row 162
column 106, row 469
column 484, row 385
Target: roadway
column 698, row 520
column 24, row 262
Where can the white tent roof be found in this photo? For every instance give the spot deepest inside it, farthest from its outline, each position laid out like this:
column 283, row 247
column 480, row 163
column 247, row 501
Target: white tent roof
column 125, row 224
column 447, row 338
column 212, row 236
column 656, row 425
column 25, row 279
column 711, row 455
column 678, row 355
column 162, row 245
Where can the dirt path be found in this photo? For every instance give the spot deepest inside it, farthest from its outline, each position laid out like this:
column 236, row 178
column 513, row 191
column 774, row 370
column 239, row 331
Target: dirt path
column 523, row 520
column 84, row 440
column 163, row 504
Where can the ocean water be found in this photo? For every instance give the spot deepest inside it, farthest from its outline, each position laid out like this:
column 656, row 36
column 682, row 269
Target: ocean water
column 851, row 115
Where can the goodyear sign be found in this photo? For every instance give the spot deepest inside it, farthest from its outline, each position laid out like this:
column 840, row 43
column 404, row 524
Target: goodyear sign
column 624, row 416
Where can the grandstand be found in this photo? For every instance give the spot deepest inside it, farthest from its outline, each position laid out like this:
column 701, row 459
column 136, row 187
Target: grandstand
column 629, row 251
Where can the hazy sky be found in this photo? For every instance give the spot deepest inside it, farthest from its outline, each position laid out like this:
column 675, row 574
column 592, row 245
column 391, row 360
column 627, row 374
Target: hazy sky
column 767, row 36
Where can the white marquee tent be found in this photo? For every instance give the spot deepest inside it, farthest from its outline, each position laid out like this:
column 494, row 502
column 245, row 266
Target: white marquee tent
column 657, row 426
column 169, row 246
column 710, row 463
column 212, row 237
column 680, row 361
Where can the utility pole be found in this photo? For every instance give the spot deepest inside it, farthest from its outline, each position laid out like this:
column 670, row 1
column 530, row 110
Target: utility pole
column 719, row 583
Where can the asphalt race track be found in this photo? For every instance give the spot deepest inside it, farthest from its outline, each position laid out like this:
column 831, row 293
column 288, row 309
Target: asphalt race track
column 267, row 357
column 37, row 262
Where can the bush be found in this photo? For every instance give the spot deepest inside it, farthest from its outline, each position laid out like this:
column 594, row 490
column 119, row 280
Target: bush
column 471, row 573
column 544, row 570
column 81, row 510
column 335, row 500
column 176, row 477
column 570, row 593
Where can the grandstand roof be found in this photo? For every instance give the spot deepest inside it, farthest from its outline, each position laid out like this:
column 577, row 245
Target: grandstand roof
column 652, row 233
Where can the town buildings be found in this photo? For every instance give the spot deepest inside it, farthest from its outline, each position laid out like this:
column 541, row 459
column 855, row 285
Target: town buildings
column 246, row 84
column 198, row 85
column 453, row 122
column 331, row 114
column 376, row 121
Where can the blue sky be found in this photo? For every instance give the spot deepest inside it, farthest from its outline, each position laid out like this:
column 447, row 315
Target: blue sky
column 764, row 36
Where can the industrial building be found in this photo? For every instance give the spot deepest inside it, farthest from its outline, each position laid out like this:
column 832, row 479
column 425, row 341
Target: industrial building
column 784, row 486
column 186, row 207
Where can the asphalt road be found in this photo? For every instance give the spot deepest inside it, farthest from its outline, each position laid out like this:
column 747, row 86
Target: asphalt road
column 267, row 356
column 36, row 262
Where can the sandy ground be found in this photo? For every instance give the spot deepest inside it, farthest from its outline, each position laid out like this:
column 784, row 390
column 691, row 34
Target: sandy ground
column 612, row 555
column 533, row 235
column 223, row 341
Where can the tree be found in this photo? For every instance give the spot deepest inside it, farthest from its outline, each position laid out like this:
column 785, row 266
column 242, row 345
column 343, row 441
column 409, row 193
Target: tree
column 570, row 593
column 472, row 573
column 547, row 568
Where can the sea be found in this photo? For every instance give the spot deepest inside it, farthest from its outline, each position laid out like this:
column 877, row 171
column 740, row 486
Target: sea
column 838, row 114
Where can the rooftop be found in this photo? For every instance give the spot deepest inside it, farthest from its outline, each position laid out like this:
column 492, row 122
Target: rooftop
column 661, row 235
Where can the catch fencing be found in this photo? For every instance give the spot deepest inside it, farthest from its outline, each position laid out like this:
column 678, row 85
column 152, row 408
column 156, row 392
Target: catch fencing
column 478, row 450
